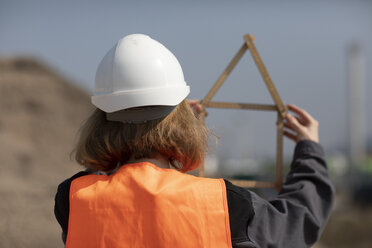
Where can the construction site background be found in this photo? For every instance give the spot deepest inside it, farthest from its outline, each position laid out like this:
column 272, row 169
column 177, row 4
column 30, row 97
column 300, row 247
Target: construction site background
column 317, row 52
column 41, row 113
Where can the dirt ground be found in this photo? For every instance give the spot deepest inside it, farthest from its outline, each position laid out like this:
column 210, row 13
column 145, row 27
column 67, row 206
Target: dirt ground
column 349, row 226
column 40, row 115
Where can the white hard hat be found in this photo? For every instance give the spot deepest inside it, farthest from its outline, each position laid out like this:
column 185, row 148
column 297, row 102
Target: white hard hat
column 137, row 72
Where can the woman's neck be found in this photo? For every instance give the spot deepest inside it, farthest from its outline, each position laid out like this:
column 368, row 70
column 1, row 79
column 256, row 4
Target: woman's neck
column 158, row 160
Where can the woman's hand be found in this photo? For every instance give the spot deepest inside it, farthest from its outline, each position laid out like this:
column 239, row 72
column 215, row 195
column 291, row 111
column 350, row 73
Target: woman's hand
column 301, row 126
column 197, row 108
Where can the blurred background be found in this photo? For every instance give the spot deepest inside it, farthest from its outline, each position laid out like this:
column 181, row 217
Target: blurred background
column 318, row 54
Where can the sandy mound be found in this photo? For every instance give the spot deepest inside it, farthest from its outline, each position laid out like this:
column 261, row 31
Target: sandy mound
column 40, row 115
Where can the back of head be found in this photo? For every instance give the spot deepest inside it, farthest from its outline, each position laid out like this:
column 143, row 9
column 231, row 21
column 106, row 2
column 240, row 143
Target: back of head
column 141, row 110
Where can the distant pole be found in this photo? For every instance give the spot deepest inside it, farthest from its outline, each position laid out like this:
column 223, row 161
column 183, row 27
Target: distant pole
column 357, row 109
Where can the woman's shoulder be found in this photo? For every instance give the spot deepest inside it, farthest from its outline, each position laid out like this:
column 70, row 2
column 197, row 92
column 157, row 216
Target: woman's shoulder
column 62, row 205
column 67, row 183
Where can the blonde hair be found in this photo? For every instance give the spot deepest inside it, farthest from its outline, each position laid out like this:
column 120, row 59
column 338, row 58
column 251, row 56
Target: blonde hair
column 180, row 137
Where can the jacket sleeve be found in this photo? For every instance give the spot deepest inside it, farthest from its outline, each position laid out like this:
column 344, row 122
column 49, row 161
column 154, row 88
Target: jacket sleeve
column 298, row 214
column 62, row 203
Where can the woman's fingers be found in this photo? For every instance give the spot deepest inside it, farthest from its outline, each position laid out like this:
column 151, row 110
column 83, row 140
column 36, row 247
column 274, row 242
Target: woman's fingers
column 292, row 123
column 304, row 116
column 193, row 102
column 304, row 125
column 290, row 135
column 197, row 107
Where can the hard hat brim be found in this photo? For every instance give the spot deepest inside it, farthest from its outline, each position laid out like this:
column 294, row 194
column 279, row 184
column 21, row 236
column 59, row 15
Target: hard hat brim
column 141, row 114
column 163, row 96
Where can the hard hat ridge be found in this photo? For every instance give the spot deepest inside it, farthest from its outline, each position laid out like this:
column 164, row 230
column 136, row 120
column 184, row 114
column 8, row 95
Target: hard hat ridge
column 138, row 71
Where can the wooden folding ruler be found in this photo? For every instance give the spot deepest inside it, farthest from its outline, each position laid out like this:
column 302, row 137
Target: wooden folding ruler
column 279, row 107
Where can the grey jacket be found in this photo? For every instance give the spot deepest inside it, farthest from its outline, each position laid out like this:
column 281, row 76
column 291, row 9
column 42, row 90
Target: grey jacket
column 297, row 215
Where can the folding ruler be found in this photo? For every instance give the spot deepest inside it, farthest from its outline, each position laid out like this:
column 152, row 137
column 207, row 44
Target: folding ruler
column 279, row 107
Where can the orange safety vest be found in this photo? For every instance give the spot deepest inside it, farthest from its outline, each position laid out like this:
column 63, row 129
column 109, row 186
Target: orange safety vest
column 142, row 205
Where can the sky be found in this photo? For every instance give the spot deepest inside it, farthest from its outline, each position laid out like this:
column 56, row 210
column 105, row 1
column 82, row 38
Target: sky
column 302, row 43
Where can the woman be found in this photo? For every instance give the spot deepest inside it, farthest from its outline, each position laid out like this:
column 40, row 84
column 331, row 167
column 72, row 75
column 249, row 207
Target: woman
column 136, row 147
